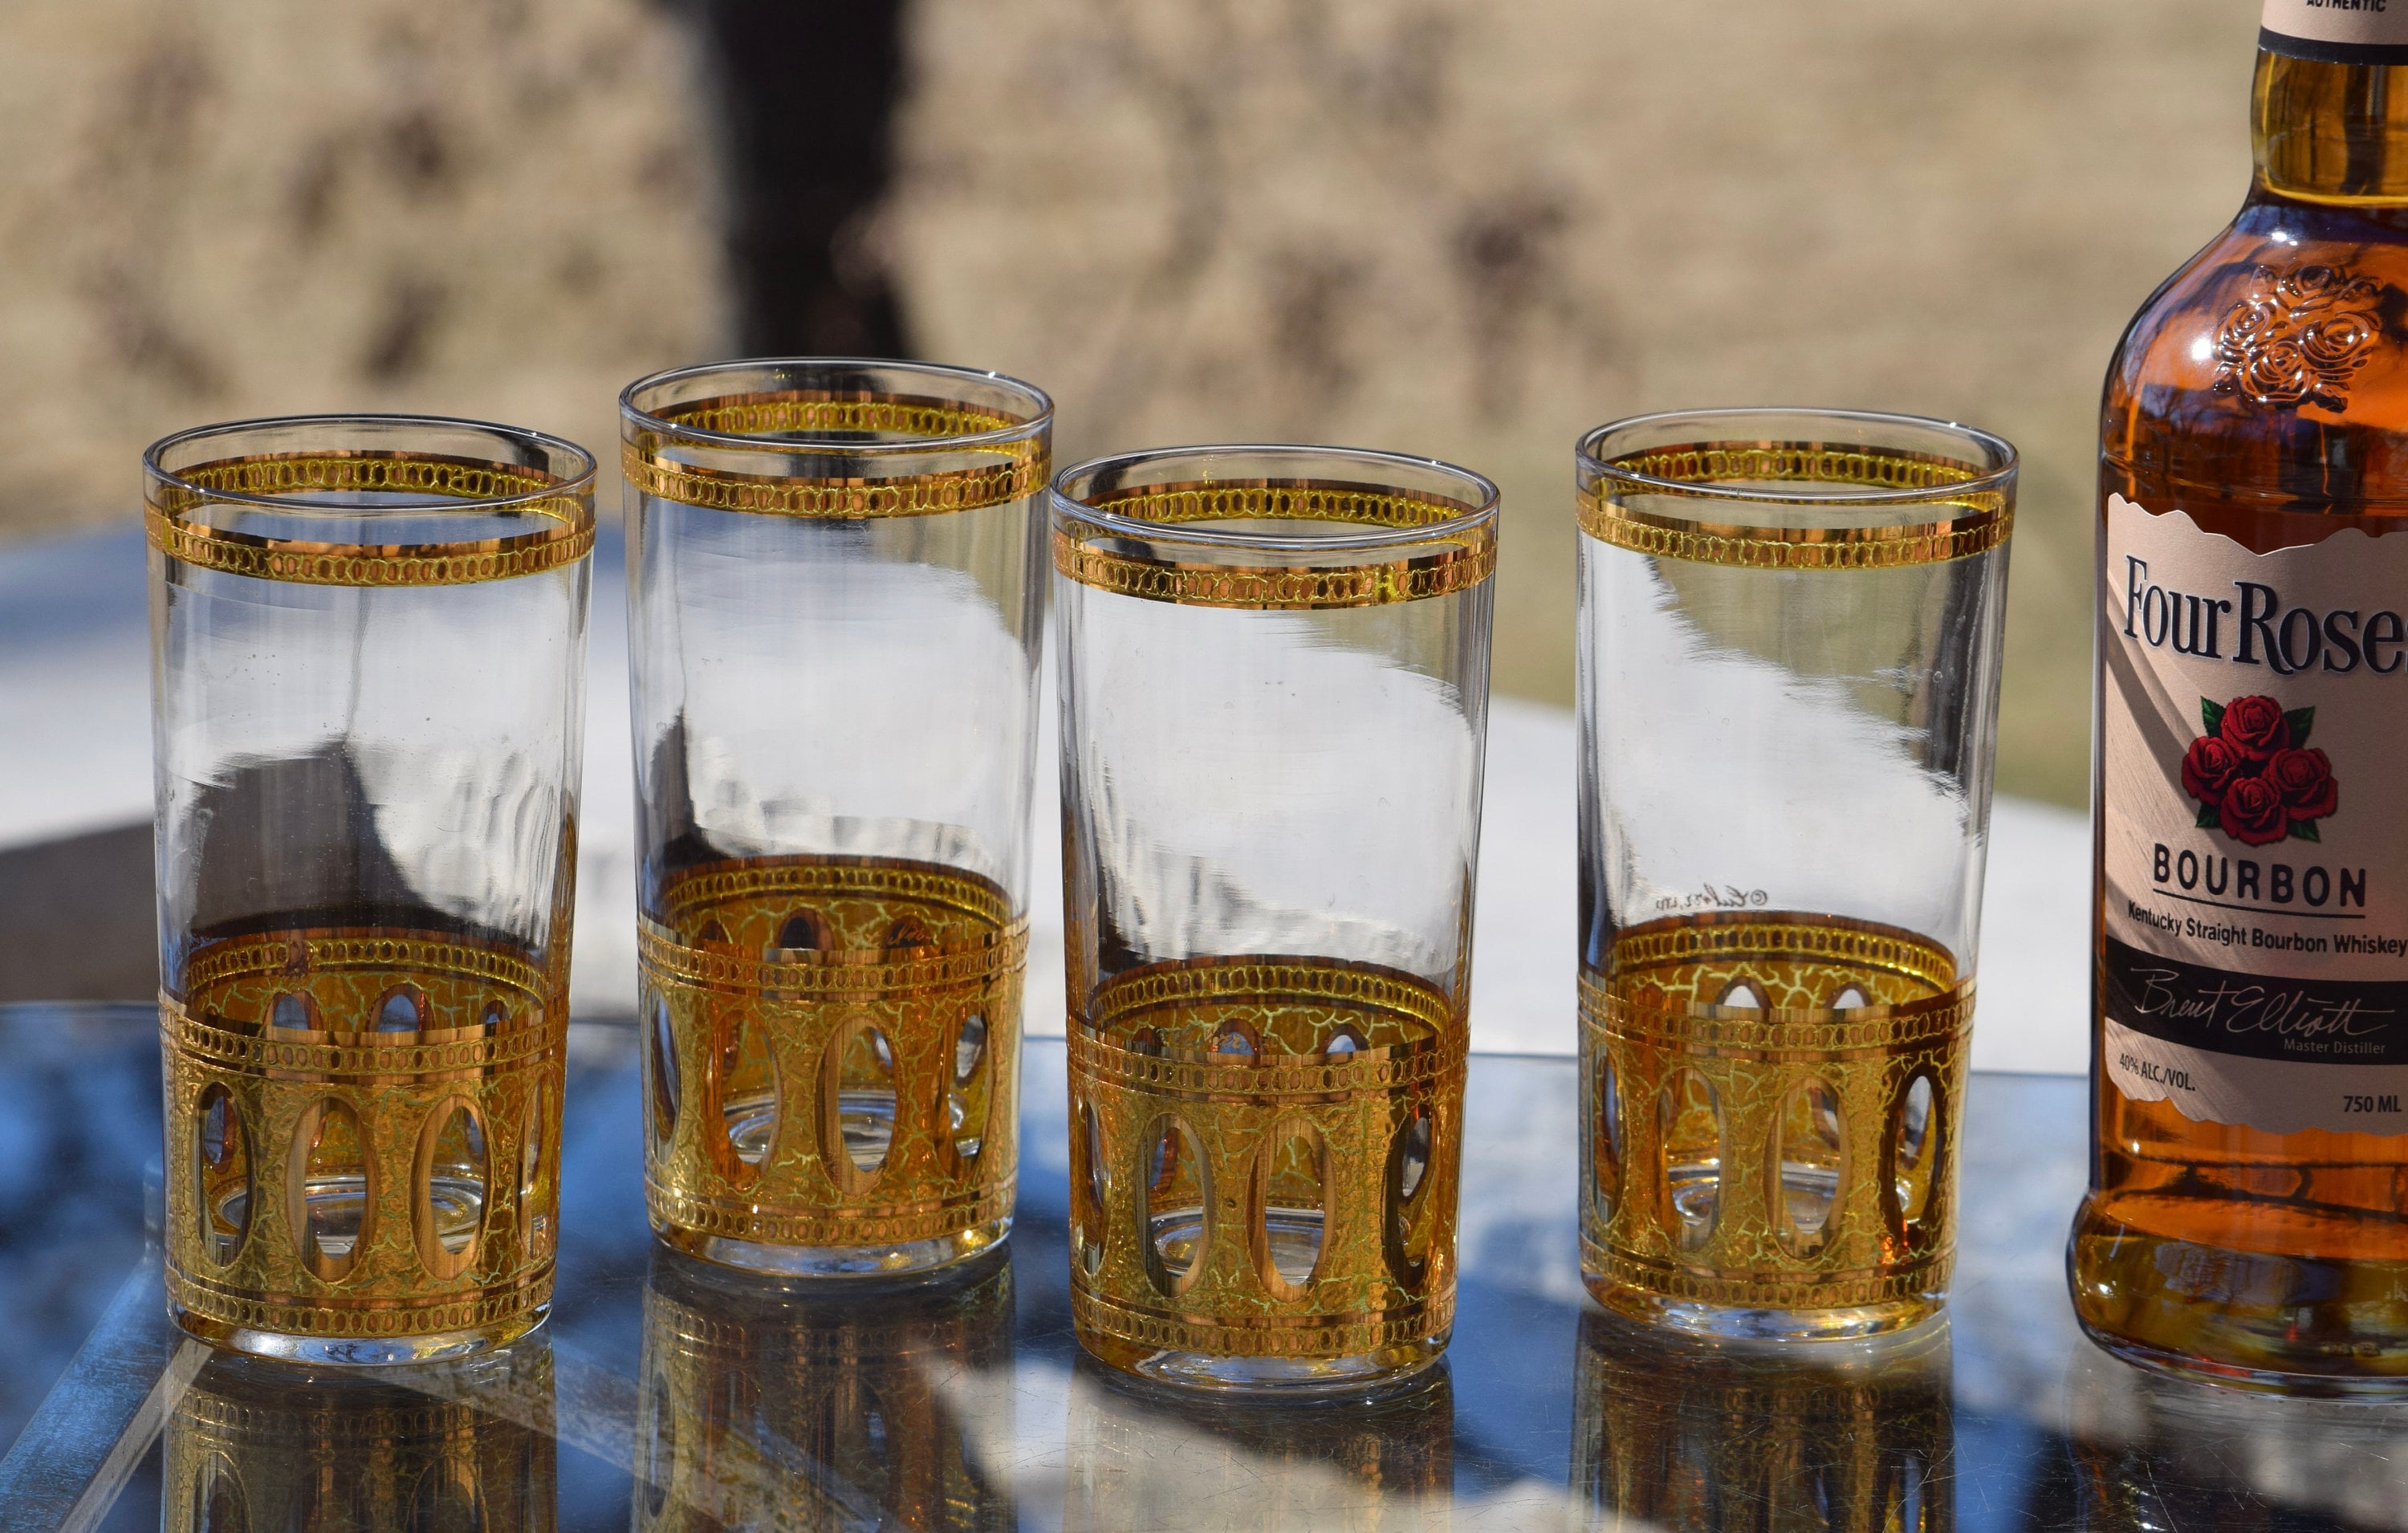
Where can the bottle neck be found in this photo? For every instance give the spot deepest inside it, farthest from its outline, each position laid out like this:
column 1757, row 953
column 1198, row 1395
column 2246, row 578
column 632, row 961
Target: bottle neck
column 2330, row 133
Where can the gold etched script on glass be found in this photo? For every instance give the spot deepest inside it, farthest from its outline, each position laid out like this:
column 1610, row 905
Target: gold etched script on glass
column 1263, row 1160
column 361, row 1129
column 832, row 1053
column 1772, row 1103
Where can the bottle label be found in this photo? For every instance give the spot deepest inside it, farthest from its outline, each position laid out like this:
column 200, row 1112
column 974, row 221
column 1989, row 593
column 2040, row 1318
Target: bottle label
column 2336, row 31
column 2254, row 825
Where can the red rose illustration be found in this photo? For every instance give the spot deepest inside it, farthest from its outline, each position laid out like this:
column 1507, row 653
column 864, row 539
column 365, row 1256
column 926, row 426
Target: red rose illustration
column 2305, row 781
column 2255, row 726
column 2252, row 774
column 2251, row 812
column 2209, row 768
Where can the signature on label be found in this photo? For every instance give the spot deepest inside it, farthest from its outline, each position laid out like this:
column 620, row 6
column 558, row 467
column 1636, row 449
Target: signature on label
column 1713, row 897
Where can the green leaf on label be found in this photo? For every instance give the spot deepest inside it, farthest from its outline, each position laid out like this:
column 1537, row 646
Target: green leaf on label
column 2208, row 818
column 2300, row 720
column 2304, row 830
column 2211, row 712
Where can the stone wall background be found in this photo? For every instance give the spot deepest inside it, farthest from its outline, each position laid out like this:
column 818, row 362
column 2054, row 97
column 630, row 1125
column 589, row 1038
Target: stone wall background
column 1462, row 229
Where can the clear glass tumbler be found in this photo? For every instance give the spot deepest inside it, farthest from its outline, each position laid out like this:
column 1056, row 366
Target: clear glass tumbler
column 835, row 617
column 368, row 672
column 1274, row 667
column 1789, row 632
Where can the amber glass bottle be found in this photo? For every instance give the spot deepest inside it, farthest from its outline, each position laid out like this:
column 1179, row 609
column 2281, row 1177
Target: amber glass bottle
column 2248, row 1208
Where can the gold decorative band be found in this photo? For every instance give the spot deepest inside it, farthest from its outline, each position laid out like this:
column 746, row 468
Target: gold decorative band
column 1982, row 518
column 1224, row 1099
column 426, row 476
column 787, row 421
column 833, row 1052
column 1090, row 553
column 1772, row 1112
column 363, row 1129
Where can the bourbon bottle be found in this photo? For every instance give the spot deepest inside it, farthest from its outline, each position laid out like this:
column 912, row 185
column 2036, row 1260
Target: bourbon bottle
column 2248, row 1210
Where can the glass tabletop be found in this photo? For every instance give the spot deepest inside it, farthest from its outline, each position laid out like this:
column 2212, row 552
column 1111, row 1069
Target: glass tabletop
column 665, row 1394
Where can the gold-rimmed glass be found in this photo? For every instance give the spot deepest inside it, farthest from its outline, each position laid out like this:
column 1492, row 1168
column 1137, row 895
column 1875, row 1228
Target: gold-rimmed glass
column 835, row 614
column 1788, row 671
column 1274, row 665
column 368, row 672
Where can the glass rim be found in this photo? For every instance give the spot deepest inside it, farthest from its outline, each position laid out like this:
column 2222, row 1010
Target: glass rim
column 2003, row 460
column 633, row 414
column 305, row 502
column 1478, row 515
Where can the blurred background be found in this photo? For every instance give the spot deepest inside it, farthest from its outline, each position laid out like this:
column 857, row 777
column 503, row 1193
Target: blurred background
column 1460, row 229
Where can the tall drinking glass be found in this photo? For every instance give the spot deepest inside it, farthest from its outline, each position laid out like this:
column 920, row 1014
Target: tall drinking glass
column 368, row 671
column 1274, row 704
column 1789, row 630
column 835, row 617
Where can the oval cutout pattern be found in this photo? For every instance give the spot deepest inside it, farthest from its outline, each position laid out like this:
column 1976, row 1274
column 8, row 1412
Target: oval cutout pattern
column 1914, row 1136
column 402, row 1010
column 331, row 1190
column 1092, row 1181
column 747, row 1091
column 805, row 931
column 1291, row 1207
column 662, row 1055
column 1809, row 1167
column 294, row 1010
column 222, row 1172
column 449, row 1206
column 1742, row 993
column 1177, row 1206
column 1605, row 1140
column 1406, row 1212
column 1689, row 1129
column 218, row 1505
column 966, row 1102
column 857, row 1104
column 535, row 1177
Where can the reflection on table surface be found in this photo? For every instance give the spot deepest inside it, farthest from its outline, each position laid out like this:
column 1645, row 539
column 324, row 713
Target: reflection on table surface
column 667, row 1395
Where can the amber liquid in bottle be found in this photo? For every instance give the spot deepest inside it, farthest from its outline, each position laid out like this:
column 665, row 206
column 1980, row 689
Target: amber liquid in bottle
column 2274, row 1259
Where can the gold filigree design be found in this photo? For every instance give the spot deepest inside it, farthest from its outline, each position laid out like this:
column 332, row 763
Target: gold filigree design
column 406, row 1085
column 1281, row 1085
column 1984, row 519
column 1749, row 1137
column 2298, row 336
column 247, row 1448
column 790, row 420
column 427, row 476
column 901, row 962
column 1090, row 553
column 736, row 1378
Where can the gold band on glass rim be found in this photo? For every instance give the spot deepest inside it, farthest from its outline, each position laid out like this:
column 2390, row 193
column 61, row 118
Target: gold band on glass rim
column 786, row 420
column 1983, row 517
column 435, row 476
column 1440, row 566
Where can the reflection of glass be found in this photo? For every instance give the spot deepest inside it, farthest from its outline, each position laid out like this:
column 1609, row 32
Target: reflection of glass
column 1274, row 700
column 1145, row 1457
column 261, row 1447
column 1789, row 698
column 1671, row 1436
column 759, row 1406
column 368, row 640
column 834, row 592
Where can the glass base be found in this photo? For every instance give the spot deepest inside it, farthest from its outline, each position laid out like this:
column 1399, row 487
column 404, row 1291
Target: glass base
column 1363, row 1376
column 1735, row 1323
column 839, row 1262
column 357, row 1352
column 2176, row 1365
